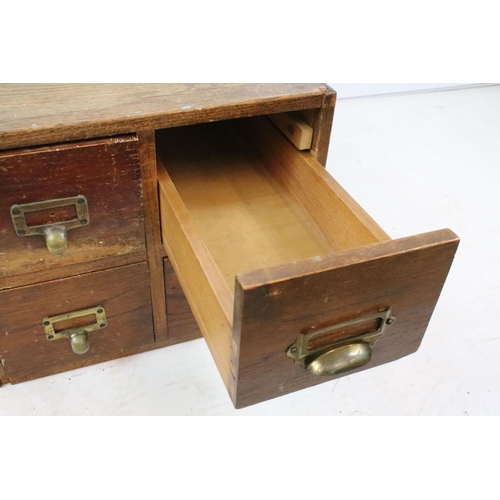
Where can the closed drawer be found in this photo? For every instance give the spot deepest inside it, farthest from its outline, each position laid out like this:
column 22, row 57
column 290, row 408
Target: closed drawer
column 119, row 299
column 66, row 208
column 290, row 281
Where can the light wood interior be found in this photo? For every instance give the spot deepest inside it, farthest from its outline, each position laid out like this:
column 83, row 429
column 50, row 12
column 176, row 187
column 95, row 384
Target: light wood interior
column 294, row 128
column 237, row 197
column 244, row 218
column 246, row 215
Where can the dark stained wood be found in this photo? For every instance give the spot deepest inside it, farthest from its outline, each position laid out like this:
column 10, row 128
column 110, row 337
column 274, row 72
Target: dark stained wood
column 68, row 270
column 182, row 324
column 147, row 346
column 47, row 113
column 322, row 125
column 273, row 306
column 125, row 294
column 155, row 248
column 107, row 172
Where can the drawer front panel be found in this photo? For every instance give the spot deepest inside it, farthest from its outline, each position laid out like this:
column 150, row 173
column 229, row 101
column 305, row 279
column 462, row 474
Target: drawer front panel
column 123, row 294
column 84, row 195
column 344, row 295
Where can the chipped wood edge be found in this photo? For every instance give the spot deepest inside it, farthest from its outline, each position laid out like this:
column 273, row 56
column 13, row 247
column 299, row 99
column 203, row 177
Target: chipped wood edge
column 323, row 122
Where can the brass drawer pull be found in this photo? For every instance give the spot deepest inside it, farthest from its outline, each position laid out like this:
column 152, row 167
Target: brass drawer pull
column 55, row 234
column 343, row 355
column 78, row 336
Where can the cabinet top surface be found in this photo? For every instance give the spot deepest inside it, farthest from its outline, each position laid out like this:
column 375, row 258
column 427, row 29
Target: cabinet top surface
column 33, row 114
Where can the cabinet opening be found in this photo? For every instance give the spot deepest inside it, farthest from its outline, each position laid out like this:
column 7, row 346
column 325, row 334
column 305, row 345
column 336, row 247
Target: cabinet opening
column 253, row 201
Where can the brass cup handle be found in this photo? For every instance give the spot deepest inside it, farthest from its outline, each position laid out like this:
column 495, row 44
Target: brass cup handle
column 342, row 355
column 341, row 359
column 55, row 234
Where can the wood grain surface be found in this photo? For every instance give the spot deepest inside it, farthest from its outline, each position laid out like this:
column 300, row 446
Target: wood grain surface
column 273, row 306
column 156, row 252
column 224, row 214
column 47, row 113
column 246, row 221
column 207, row 292
column 182, row 324
column 125, row 294
column 294, row 128
column 107, row 172
column 341, row 220
column 322, row 125
column 220, row 211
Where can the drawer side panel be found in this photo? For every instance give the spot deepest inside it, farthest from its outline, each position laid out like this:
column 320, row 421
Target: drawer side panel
column 182, row 324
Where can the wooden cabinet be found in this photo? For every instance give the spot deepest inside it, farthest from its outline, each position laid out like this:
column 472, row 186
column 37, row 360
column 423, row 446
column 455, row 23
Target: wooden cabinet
column 209, row 213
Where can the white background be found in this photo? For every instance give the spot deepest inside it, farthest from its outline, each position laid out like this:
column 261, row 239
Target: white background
column 270, row 41
column 347, row 90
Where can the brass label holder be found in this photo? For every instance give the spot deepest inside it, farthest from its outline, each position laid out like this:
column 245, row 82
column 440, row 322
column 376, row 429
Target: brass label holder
column 345, row 354
column 55, row 234
column 78, row 336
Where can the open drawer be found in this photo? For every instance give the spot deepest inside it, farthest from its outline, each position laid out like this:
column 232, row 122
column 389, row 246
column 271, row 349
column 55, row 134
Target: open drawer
column 290, row 281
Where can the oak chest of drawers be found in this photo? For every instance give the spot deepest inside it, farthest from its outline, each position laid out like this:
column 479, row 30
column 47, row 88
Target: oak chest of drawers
column 134, row 217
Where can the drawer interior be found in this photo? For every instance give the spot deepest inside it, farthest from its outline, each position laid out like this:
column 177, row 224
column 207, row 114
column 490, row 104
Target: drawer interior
column 267, row 245
column 251, row 214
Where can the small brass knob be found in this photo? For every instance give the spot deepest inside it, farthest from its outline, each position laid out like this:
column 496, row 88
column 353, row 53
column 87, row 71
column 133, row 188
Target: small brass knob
column 56, row 239
column 79, row 342
column 341, row 359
